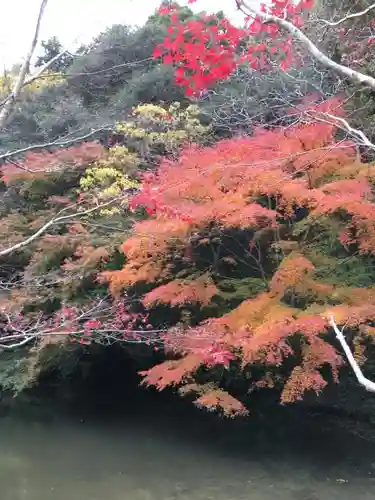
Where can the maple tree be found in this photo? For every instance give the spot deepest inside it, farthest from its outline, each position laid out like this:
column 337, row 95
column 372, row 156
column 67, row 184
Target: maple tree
column 254, row 209
column 208, row 49
column 65, row 214
column 237, row 255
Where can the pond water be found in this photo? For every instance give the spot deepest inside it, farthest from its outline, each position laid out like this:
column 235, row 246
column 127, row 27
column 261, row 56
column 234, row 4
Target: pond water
column 168, row 452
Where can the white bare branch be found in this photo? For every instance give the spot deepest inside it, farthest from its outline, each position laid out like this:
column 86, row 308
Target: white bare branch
column 9, row 102
column 349, row 16
column 56, row 220
column 369, row 385
column 32, row 78
column 345, row 71
column 58, row 143
column 360, row 137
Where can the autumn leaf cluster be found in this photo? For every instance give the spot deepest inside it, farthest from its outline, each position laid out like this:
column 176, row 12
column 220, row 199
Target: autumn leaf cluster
column 209, row 48
column 253, row 208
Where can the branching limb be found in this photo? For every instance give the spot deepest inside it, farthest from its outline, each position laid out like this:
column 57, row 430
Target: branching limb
column 58, row 143
column 12, row 96
column 18, row 331
column 20, row 82
column 353, row 75
column 55, row 220
column 359, row 136
column 350, row 16
column 367, row 384
column 48, row 64
column 103, row 336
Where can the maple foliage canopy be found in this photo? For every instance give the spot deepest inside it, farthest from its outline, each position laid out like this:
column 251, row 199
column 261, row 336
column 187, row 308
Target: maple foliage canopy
column 252, row 209
column 236, row 260
column 209, row 48
column 280, row 33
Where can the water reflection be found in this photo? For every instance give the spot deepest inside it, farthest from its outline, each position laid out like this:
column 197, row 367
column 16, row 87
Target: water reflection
column 162, row 452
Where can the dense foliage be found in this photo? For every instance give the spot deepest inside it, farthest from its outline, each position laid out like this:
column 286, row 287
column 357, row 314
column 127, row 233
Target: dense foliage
column 224, row 257
column 249, row 236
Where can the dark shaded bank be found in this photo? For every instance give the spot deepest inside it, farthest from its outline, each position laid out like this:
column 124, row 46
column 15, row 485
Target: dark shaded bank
column 98, row 435
column 105, row 381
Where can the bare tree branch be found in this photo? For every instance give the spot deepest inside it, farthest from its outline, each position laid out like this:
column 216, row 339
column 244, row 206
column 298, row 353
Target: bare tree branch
column 32, row 78
column 9, row 104
column 105, row 333
column 55, row 220
column 58, row 143
column 22, row 80
column 48, row 64
column 367, row 384
column 19, row 333
column 349, row 16
column 359, row 136
column 111, row 68
column 351, row 74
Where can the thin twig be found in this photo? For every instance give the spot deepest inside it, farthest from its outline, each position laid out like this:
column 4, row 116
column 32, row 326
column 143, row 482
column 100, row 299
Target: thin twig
column 58, row 143
column 349, row 16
